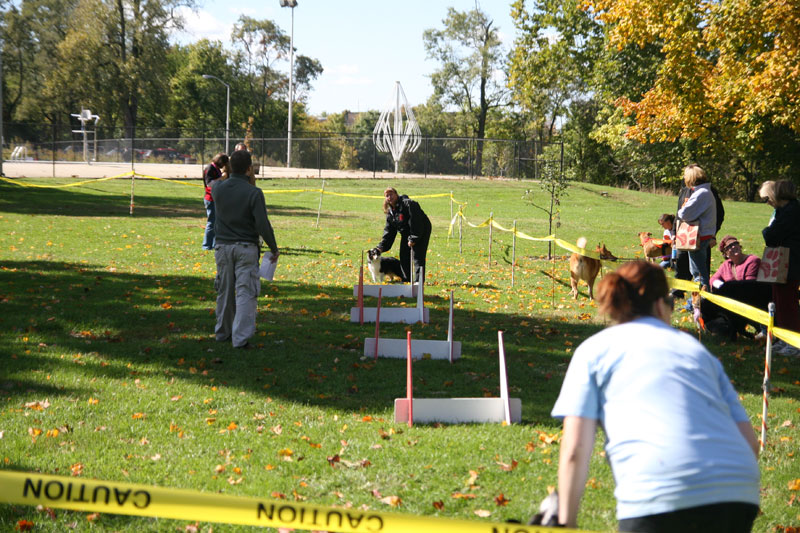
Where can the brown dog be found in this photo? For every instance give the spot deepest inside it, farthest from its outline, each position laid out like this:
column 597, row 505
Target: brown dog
column 653, row 249
column 586, row 268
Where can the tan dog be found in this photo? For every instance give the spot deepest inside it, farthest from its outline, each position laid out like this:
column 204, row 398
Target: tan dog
column 653, row 249
column 586, row 268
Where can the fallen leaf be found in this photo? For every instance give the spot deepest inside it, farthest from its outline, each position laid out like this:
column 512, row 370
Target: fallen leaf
column 794, row 484
column 483, row 513
column 439, row 505
column 76, row 469
column 92, row 517
column 501, row 500
column 506, row 467
column 394, row 501
column 24, row 525
column 462, row 496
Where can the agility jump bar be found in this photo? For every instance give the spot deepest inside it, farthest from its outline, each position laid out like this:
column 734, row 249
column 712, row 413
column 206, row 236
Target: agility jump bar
column 142, row 500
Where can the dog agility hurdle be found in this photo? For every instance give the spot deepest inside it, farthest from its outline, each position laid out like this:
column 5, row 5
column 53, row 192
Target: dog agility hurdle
column 458, row 410
column 420, row 349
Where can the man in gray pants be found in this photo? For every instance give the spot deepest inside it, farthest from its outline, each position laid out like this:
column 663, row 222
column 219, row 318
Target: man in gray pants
column 241, row 218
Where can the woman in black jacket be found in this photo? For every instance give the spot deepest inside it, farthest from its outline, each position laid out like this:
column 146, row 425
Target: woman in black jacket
column 405, row 216
column 784, row 230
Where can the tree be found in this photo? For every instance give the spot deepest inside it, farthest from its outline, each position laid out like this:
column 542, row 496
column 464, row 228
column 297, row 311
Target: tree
column 471, row 57
column 114, row 56
column 721, row 89
column 553, row 59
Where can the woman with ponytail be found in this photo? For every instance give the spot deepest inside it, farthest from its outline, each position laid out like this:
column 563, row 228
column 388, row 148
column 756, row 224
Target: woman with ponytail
column 680, row 445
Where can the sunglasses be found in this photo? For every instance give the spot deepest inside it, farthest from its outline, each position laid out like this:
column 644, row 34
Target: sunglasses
column 731, row 245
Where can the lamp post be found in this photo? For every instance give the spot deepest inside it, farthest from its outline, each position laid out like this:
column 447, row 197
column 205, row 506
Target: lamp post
column 227, row 107
column 292, row 4
column 1, row 105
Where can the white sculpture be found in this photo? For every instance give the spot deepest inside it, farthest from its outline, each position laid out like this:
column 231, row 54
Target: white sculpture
column 394, row 134
column 86, row 116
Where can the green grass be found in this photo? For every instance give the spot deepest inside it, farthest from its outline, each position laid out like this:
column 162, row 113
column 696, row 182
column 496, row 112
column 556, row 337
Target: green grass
column 110, row 318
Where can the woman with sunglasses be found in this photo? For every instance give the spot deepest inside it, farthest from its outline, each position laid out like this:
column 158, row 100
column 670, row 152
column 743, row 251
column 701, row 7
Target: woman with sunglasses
column 680, row 445
column 735, row 278
column 784, row 230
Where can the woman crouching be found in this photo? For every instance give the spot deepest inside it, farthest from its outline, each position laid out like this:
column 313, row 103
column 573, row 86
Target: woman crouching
column 680, row 445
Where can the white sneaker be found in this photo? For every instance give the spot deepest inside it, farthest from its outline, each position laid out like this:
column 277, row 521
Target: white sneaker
column 782, row 348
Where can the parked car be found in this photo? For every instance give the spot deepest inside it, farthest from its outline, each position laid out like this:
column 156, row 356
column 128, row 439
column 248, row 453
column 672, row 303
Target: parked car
column 172, row 155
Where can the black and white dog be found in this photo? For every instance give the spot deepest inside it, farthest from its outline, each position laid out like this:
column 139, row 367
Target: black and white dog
column 379, row 267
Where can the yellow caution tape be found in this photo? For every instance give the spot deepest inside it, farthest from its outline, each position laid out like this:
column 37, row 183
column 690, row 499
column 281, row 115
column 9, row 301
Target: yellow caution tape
column 142, row 500
column 66, row 185
column 168, row 180
column 747, row 311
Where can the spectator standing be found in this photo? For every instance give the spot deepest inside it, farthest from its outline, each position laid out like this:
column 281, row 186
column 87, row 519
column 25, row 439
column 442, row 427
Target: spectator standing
column 216, row 170
column 784, row 230
column 405, row 216
column 680, row 445
column 667, row 222
column 699, row 208
column 241, row 219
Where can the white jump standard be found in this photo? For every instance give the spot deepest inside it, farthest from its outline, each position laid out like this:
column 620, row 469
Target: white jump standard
column 459, row 410
column 420, row 349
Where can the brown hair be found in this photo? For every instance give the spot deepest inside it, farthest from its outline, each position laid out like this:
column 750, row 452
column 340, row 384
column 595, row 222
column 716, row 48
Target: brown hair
column 785, row 190
column 693, row 175
column 666, row 216
column 631, row 291
column 386, row 204
column 726, row 241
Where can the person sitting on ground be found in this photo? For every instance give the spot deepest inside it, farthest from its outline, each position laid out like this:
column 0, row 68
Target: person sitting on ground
column 680, row 444
column 667, row 222
column 735, row 278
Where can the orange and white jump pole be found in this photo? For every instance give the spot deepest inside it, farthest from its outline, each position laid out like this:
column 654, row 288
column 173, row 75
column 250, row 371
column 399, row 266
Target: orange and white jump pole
column 767, row 371
column 409, row 385
column 378, row 323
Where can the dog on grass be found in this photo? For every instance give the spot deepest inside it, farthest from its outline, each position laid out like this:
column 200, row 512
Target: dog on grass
column 380, row 267
column 586, row 268
column 654, row 249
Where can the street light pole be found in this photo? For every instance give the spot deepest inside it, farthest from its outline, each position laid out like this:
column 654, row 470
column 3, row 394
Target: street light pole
column 292, row 4
column 227, row 108
column 1, row 104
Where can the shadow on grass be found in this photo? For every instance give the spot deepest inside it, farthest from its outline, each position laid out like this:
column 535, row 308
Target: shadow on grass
column 65, row 319
column 100, row 203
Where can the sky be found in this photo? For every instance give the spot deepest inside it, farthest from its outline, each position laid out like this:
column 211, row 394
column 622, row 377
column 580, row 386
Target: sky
column 364, row 45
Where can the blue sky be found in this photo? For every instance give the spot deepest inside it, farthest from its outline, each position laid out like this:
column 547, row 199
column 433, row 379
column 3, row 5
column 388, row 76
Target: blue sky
column 363, row 45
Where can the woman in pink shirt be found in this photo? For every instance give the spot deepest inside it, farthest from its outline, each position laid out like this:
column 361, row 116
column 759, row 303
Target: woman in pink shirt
column 737, row 266
column 736, row 279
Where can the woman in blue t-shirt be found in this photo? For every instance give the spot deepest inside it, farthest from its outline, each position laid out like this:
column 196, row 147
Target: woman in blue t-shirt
column 680, row 445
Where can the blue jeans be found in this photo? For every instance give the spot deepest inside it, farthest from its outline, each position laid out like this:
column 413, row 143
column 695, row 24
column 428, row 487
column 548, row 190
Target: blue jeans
column 698, row 262
column 208, row 237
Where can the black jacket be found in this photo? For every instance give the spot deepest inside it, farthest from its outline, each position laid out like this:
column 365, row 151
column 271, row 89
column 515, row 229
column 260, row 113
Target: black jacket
column 785, row 231
column 409, row 219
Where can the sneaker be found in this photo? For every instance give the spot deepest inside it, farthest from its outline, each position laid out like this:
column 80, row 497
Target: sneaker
column 781, row 348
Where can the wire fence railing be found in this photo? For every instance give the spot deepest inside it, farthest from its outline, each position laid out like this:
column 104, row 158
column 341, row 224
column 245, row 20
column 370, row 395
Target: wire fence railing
column 436, row 156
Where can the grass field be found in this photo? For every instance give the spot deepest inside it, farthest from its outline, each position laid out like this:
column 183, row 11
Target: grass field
column 106, row 320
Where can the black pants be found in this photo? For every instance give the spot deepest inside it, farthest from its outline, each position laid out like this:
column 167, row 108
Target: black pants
column 754, row 293
column 420, row 252
column 729, row 517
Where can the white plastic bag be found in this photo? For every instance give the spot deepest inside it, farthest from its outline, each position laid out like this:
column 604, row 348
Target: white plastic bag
column 267, row 270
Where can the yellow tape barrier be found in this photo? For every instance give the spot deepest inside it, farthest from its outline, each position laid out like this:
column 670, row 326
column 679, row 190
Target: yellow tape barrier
column 552, row 238
column 146, row 176
column 66, row 185
column 747, row 311
column 142, row 500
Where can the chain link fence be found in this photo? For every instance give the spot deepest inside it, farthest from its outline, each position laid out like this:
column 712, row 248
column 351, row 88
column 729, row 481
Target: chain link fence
column 464, row 157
